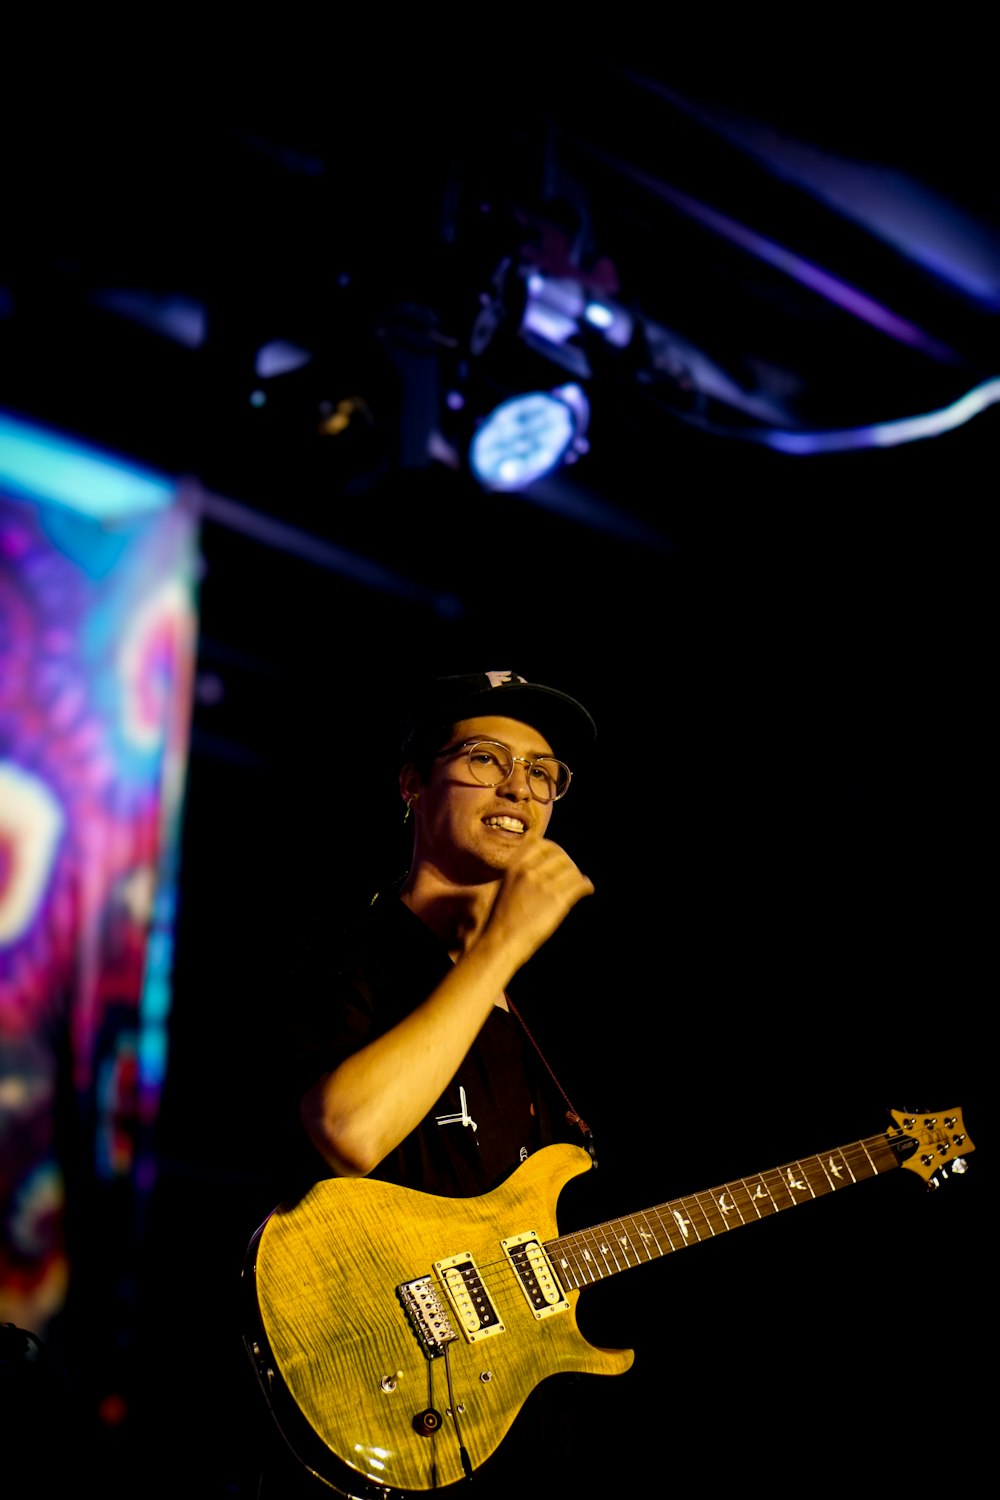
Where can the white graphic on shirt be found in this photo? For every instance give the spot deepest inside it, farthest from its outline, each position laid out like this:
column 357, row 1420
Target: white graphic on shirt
column 463, row 1118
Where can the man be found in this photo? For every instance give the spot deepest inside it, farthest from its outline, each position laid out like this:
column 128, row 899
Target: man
column 418, row 1069
column 480, row 779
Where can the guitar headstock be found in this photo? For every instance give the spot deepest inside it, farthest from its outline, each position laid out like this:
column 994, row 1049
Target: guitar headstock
column 939, row 1138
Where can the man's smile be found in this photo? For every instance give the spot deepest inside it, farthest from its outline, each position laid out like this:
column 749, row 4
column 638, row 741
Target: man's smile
column 506, row 822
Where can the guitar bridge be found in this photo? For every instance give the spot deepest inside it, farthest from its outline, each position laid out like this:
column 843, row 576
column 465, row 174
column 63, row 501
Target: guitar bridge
column 470, row 1303
column 426, row 1315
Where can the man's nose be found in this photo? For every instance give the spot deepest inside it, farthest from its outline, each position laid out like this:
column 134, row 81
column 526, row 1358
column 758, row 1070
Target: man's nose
column 517, row 784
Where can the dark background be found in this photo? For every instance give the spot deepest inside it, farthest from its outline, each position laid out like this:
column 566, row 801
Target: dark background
column 786, row 656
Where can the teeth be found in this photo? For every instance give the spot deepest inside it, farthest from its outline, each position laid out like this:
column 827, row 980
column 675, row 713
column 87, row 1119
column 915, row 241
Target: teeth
column 512, row 825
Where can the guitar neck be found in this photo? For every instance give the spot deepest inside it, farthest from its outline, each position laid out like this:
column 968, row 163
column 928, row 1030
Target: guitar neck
column 588, row 1255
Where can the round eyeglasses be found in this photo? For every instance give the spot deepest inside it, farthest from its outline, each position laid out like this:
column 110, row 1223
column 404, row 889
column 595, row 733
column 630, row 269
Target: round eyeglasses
column 492, row 763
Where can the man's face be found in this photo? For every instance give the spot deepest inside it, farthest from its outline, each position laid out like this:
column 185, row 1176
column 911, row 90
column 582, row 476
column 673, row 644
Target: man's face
column 470, row 831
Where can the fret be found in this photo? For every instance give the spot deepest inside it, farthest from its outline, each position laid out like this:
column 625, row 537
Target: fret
column 868, row 1158
column 621, row 1243
column 763, row 1195
column 830, row 1185
column 856, row 1162
column 591, row 1265
column 844, row 1164
column 792, row 1185
column 649, row 1232
column 605, row 1244
column 798, row 1176
column 630, row 1238
column 567, row 1263
column 727, row 1202
column 681, row 1212
column 664, row 1230
column 568, row 1275
column 862, row 1164
column 752, row 1200
column 715, row 1220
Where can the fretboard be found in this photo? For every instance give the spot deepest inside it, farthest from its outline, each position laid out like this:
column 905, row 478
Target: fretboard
column 588, row 1255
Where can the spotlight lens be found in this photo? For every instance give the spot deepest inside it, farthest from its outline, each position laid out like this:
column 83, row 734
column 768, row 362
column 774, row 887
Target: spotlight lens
column 521, row 440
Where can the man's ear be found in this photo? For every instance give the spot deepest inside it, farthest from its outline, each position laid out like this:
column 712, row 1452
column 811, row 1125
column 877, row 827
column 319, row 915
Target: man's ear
column 410, row 783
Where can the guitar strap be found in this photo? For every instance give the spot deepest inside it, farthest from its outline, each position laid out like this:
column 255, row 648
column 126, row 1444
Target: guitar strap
column 572, row 1114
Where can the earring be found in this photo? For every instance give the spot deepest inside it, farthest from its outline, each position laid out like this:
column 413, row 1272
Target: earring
column 409, row 804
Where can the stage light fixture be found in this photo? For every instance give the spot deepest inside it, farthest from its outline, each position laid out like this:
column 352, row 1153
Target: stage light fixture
column 528, row 436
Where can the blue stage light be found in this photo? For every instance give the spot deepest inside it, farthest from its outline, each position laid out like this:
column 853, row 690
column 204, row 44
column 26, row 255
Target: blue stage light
column 527, row 436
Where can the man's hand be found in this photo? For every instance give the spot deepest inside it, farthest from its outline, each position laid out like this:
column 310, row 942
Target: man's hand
column 537, row 892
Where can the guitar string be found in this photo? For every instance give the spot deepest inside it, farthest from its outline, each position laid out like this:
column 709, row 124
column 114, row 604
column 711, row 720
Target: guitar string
column 590, row 1255
column 855, row 1154
column 504, row 1290
column 604, row 1263
column 715, row 1220
column 707, row 1201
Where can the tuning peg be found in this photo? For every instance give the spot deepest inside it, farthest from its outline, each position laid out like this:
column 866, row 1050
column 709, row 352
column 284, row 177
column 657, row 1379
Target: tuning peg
column 960, row 1166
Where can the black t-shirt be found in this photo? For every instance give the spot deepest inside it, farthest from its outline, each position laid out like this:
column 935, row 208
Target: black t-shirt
column 502, row 1103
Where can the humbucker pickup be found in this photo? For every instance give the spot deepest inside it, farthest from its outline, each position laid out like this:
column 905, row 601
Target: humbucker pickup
column 535, row 1276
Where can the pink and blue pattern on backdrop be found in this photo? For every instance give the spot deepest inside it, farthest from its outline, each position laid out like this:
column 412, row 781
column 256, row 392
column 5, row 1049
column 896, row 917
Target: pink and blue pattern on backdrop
column 97, row 643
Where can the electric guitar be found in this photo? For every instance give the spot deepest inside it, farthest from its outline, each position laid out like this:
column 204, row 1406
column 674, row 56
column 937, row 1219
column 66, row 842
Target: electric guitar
column 397, row 1335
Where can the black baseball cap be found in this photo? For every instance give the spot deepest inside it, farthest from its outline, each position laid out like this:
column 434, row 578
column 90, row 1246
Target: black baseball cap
column 443, row 701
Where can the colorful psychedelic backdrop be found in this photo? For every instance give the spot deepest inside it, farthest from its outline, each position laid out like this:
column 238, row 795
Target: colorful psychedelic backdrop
column 97, row 641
